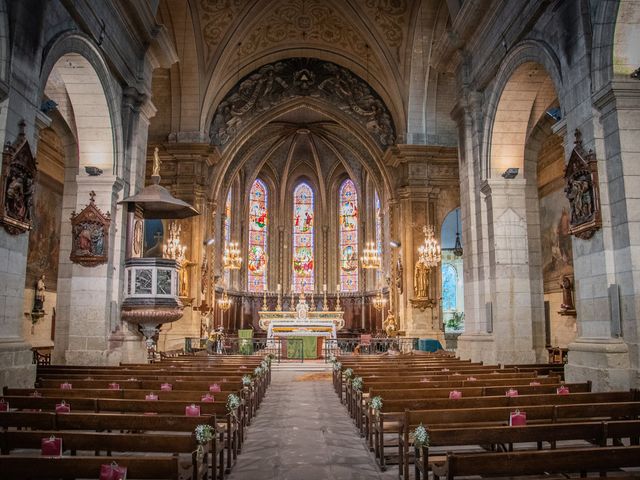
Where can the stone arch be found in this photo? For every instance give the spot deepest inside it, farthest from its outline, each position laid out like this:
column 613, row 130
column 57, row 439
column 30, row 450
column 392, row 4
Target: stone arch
column 75, row 57
column 528, row 77
column 5, row 58
column 615, row 40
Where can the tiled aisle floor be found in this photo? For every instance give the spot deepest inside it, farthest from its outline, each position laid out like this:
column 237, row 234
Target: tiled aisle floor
column 302, row 432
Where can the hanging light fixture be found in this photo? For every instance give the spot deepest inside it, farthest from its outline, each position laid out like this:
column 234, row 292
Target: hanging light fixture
column 457, row 249
column 225, row 302
column 231, row 258
column 371, row 257
column 429, row 253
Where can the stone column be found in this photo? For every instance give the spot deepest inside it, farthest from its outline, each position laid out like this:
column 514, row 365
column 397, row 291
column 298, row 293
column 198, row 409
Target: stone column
column 599, row 354
column 511, row 308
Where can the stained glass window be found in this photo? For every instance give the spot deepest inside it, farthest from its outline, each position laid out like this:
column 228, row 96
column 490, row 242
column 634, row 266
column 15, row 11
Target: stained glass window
column 449, row 287
column 348, row 241
column 226, row 231
column 303, row 261
column 258, row 229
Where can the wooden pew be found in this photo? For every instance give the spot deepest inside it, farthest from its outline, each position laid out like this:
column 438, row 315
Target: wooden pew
column 18, row 467
column 538, row 462
column 594, row 432
column 174, row 444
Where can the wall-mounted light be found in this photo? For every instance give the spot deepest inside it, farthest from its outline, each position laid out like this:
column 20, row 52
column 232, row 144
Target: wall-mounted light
column 208, row 242
column 394, row 244
column 510, row 173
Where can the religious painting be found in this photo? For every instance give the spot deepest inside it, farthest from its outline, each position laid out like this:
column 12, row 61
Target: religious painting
column 348, row 236
column 44, row 237
column 557, row 255
column 258, row 227
column 303, row 258
column 90, row 235
column 153, row 238
column 18, row 182
column 582, row 191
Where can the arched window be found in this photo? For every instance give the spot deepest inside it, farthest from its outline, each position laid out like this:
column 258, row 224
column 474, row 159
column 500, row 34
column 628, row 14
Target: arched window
column 303, row 261
column 226, row 232
column 258, row 230
column 348, row 241
column 449, row 287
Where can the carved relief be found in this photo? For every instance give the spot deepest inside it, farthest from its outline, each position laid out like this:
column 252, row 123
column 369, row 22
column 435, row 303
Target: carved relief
column 390, row 17
column 308, row 20
column 18, row 183
column 278, row 82
column 582, row 191
column 90, row 235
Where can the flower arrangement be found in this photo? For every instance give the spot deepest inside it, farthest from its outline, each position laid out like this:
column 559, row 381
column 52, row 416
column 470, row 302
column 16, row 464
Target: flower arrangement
column 257, row 372
column 246, row 380
column 348, row 373
column 356, row 383
column 233, row 402
column 420, row 437
column 337, row 366
column 204, row 434
column 376, row 403
column 333, row 359
column 264, row 365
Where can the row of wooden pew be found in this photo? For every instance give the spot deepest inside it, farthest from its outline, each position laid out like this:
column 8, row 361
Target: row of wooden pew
column 465, row 409
column 141, row 416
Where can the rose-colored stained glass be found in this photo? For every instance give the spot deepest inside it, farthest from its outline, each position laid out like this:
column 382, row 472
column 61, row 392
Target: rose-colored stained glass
column 348, row 237
column 303, row 258
column 258, row 237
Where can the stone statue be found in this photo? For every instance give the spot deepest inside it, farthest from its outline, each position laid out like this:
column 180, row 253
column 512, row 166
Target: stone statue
column 38, row 303
column 567, row 305
column 156, row 163
column 390, row 325
column 421, row 280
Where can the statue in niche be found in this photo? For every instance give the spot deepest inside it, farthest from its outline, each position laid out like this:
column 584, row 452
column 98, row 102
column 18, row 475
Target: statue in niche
column 38, row 302
column 18, row 184
column 582, row 191
column 90, row 235
column 390, row 326
column 421, row 280
column 567, row 306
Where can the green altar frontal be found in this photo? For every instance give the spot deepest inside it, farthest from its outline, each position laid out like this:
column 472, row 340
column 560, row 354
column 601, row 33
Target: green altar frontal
column 302, row 347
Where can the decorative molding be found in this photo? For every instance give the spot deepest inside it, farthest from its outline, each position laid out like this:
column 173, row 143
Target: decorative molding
column 215, row 19
column 19, row 170
column 582, row 191
column 391, row 19
column 276, row 83
column 311, row 21
column 90, row 235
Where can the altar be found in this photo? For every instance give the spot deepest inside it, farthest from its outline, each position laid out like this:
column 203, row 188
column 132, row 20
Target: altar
column 308, row 326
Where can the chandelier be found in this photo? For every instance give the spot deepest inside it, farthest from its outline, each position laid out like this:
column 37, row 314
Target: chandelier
column 231, row 258
column 371, row 257
column 172, row 249
column 379, row 301
column 225, row 302
column 429, row 253
column 457, row 248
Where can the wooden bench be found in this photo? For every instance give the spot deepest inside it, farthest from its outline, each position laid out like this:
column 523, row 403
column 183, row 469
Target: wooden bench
column 19, row 467
column 538, row 462
column 592, row 432
column 73, row 442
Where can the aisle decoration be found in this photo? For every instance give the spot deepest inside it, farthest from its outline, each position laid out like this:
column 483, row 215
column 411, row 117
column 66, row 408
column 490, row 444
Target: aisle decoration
column 348, row 373
column 233, row 403
column 356, row 383
column 376, row 404
column 204, row 434
column 246, row 381
column 420, row 437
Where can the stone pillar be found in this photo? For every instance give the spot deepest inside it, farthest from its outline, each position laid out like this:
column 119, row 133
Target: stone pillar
column 509, row 277
column 598, row 353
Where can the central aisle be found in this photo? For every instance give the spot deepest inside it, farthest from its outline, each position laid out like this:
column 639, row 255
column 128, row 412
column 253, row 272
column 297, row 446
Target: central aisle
column 302, row 432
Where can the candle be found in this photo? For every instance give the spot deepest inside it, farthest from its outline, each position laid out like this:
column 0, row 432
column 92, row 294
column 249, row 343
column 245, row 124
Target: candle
column 324, row 287
column 338, row 288
column 279, row 287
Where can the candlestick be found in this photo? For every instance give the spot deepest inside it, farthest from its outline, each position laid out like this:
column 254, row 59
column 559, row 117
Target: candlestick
column 264, row 300
column 279, row 287
column 292, row 291
column 324, row 287
column 279, row 301
column 325, row 305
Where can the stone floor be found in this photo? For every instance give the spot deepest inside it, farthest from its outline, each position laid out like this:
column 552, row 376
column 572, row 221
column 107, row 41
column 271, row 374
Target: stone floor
column 302, row 432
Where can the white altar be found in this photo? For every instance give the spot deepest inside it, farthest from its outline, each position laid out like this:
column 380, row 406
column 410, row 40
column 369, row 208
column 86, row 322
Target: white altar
column 302, row 322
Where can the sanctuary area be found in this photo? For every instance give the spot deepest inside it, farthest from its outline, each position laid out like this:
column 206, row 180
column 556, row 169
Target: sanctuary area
column 409, row 225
